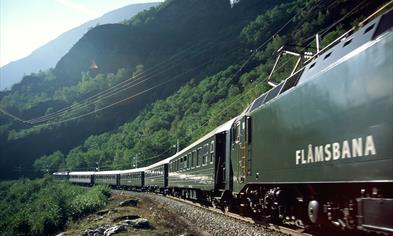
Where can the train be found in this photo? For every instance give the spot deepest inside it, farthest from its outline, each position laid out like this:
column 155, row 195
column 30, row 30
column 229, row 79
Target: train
column 315, row 150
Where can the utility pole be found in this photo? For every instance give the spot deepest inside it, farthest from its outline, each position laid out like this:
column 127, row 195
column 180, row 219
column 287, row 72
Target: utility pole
column 177, row 146
column 136, row 161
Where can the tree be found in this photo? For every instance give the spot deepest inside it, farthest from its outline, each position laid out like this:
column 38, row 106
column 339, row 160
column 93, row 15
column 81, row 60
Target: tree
column 50, row 163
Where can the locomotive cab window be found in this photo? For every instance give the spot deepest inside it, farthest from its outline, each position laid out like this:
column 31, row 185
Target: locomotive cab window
column 236, row 133
column 248, row 130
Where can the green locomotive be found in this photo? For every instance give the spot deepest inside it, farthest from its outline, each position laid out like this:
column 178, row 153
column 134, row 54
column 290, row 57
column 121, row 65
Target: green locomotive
column 317, row 148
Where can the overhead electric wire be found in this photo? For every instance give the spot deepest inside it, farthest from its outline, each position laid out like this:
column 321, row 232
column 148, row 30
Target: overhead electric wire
column 12, row 116
column 109, row 93
column 133, row 81
column 85, row 105
column 117, row 102
column 328, row 28
column 120, row 101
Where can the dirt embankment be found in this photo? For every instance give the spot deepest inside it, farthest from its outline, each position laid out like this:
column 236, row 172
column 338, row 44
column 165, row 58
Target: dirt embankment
column 141, row 216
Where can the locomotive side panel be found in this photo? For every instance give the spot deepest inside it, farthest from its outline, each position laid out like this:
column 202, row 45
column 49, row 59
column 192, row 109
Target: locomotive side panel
column 336, row 127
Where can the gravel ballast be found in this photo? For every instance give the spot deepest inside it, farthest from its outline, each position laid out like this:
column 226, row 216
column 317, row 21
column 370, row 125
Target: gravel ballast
column 208, row 222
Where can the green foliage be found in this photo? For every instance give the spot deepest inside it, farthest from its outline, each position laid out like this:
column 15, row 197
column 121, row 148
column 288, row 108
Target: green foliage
column 55, row 161
column 143, row 130
column 43, row 207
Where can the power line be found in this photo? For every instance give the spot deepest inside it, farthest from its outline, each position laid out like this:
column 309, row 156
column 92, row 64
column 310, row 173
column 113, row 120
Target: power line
column 125, row 84
column 120, row 101
column 133, row 81
column 51, row 116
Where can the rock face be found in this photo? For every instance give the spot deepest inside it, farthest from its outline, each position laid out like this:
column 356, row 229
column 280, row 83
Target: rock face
column 129, row 202
column 102, row 212
column 140, row 223
column 125, row 224
column 115, row 229
column 97, row 231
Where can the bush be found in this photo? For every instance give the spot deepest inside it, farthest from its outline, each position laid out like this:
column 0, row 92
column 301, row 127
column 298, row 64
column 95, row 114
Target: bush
column 42, row 207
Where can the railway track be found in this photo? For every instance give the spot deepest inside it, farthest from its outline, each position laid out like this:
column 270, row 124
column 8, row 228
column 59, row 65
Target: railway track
column 242, row 219
column 280, row 229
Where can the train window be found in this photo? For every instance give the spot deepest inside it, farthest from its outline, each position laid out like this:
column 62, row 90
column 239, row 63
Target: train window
column 211, row 152
column 199, row 155
column 197, row 158
column 236, row 133
column 188, row 160
column 312, row 65
column 194, row 159
column 206, row 153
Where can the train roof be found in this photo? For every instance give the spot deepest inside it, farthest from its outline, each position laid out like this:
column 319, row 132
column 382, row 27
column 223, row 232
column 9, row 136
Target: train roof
column 61, row 173
column 82, row 173
column 109, row 172
column 341, row 49
column 222, row 128
column 348, row 46
column 160, row 163
column 133, row 170
column 115, row 172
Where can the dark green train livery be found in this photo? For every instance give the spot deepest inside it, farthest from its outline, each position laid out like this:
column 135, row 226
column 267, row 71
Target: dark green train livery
column 322, row 139
column 156, row 176
column 314, row 150
column 133, row 179
column 198, row 171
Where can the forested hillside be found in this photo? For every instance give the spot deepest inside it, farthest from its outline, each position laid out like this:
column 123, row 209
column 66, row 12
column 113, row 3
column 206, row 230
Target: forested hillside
column 182, row 69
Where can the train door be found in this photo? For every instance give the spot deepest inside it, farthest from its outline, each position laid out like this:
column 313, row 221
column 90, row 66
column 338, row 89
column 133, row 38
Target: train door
column 240, row 153
column 220, row 159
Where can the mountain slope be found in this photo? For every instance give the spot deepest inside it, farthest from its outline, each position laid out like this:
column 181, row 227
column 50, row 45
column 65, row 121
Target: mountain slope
column 48, row 55
column 211, row 42
column 179, row 41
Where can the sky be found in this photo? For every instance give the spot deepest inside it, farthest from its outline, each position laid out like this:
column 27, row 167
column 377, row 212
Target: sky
column 26, row 25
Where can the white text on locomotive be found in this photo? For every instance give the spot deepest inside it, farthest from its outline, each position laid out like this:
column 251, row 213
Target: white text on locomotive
column 356, row 147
